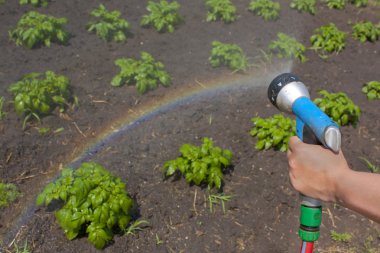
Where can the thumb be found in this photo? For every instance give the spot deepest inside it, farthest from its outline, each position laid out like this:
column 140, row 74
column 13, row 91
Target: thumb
column 294, row 141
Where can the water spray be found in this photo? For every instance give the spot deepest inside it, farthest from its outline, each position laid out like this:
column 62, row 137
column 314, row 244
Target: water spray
column 313, row 126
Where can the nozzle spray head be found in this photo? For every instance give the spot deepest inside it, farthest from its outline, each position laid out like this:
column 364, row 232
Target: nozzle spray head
column 284, row 90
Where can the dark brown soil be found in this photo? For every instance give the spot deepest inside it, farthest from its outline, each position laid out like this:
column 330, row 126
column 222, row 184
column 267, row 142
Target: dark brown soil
column 263, row 214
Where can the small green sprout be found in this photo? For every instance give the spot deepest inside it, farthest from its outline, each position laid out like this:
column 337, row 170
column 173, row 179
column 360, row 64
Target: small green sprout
column 2, row 113
column 371, row 166
column 218, row 199
column 35, row 3
column 267, row 9
column 287, row 47
column 221, row 10
column 230, row 55
column 108, row 24
column 163, row 15
column 135, row 226
column 8, row 194
column 304, row 6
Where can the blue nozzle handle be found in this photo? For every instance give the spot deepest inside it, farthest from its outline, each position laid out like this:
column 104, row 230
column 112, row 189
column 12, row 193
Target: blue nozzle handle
column 310, row 115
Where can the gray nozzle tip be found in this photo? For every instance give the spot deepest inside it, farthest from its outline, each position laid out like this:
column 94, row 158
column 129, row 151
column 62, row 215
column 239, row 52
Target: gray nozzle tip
column 333, row 138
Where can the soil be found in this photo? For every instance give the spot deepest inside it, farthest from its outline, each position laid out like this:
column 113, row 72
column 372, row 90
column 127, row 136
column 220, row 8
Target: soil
column 263, row 213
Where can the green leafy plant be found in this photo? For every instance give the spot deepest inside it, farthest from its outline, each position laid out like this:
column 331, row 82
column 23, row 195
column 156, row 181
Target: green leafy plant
column 8, row 194
column 35, row 3
column 273, row 132
column 221, row 10
column 230, row 55
column 340, row 237
column 163, row 16
column 2, row 113
column 366, row 31
column 35, row 28
column 218, row 199
column 360, row 3
column 108, row 24
column 267, row 9
column 287, row 47
column 304, row 5
column 339, row 107
column 371, row 166
column 328, row 38
column 145, row 73
column 94, row 201
column 37, row 94
column 200, row 165
column 372, row 89
column 336, row 4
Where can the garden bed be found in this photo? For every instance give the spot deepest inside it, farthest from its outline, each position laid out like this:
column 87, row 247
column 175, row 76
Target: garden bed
column 201, row 102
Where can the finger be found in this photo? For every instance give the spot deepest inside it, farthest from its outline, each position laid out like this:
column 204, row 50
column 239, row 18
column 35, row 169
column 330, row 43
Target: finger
column 293, row 141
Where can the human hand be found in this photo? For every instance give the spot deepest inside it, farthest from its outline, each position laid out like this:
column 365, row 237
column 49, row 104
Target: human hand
column 314, row 170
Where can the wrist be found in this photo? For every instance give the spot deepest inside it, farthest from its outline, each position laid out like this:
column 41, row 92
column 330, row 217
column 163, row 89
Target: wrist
column 341, row 189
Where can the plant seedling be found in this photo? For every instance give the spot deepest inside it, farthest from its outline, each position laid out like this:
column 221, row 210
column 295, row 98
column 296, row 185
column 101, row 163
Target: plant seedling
column 287, row 47
column 366, row 31
column 340, row 237
column 108, row 24
column 273, row 132
column 267, row 9
column 95, row 202
column 216, row 199
column 145, row 73
column 230, row 55
column 203, row 165
column 35, row 3
column 336, row 4
column 328, row 38
column 2, row 113
column 8, row 194
column 371, row 166
column 221, row 10
column 37, row 94
column 372, row 89
column 339, row 107
column 304, row 6
column 135, row 226
column 359, row 3
column 158, row 240
column 35, row 28
column 163, row 16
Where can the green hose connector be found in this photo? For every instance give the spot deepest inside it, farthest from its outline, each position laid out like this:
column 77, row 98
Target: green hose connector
column 310, row 220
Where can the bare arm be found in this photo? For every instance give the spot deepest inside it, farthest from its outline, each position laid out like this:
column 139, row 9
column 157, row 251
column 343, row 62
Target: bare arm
column 319, row 173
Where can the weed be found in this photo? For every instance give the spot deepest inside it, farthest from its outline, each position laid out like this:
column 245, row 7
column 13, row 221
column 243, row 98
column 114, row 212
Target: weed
column 230, row 55
column 287, row 47
column 366, row 31
column 216, row 199
column 24, row 249
column 221, row 10
column 359, row 3
column 339, row 107
column 163, row 16
column 158, row 240
column 340, row 237
column 273, row 132
column 372, row 89
column 108, row 24
column 8, row 194
column 304, row 5
column 267, row 9
column 371, row 166
column 328, row 38
column 35, row 28
column 135, row 226
column 203, row 165
column 145, row 73
column 94, row 201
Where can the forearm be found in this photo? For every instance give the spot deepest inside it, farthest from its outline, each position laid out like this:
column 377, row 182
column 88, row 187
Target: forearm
column 360, row 192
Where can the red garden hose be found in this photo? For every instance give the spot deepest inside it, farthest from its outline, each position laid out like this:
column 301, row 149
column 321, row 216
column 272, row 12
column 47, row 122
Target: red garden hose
column 307, row 247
